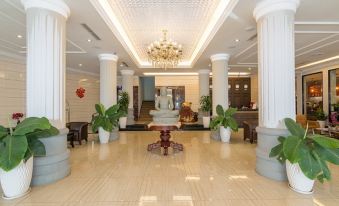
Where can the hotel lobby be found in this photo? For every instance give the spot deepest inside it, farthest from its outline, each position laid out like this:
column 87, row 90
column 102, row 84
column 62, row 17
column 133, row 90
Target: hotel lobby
column 164, row 102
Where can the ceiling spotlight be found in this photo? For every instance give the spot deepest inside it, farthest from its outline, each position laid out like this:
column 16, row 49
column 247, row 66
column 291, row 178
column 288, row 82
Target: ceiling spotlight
column 249, row 68
column 89, row 40
column 237, row 40
column 19, row 36
column 80, row 65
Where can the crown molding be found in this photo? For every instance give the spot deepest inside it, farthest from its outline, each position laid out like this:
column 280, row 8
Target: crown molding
column 222, row 56
column 82, row 72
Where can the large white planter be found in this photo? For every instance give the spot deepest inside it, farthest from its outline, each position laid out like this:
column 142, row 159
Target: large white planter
column 16, row 183
column 225, row 134
column 297, row 180
column 322, row 124
column 103, row 136
column 206, row 121
column 122, row 122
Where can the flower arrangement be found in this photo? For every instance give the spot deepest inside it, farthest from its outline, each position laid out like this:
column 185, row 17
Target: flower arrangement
column 17, row 116
column 80, row 92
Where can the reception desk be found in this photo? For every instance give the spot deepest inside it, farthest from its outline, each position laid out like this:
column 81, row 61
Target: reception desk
column 241, row 116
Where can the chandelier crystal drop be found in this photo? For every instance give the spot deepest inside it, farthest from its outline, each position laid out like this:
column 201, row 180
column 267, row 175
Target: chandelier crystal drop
column 164, row 53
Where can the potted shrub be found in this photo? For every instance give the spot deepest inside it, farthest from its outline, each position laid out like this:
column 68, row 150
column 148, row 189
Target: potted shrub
column 206, row 105
column 306, row 156
column 105, row 121
column 321, row 118
column 17, row 148
column 123, row 102
column 225, row 122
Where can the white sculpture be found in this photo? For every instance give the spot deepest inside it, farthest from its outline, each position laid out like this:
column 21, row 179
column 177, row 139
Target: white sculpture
column 164, row 113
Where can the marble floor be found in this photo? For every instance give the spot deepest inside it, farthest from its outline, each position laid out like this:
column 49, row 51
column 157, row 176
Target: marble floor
column 207, row 173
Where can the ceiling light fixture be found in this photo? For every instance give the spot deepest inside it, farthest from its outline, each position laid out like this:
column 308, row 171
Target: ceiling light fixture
column 191, row 73
column 237, row 40
column 89, row 40
column 318, row 62
column 164, row 53
column 80, row 65
column 19, row 36
column 249, row 68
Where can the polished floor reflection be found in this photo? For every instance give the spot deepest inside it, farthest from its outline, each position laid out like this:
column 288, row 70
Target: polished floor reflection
column 207, row 173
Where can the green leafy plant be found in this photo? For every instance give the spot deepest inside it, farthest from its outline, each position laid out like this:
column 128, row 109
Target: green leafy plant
column 206, row 104
column 311, row 152
column 321, row 115
column 107, row 119
column 123, row 101
column 23, row 142
column 224, row 118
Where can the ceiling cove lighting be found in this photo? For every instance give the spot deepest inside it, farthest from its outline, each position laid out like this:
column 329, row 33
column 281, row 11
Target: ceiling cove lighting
column 222, row 11
column 191, row 73
column 318, row 62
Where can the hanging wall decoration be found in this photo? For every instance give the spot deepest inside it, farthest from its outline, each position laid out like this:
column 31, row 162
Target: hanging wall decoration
column 80, row 92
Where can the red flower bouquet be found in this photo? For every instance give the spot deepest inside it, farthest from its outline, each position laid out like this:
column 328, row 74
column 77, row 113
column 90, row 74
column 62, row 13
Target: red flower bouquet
column 80, row 92
column 17, row 116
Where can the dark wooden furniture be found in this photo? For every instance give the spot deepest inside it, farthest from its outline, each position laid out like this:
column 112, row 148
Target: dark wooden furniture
column 80, row 130
column 70, row 137
column 249, row 130
column 241, row 116
column 165, row 139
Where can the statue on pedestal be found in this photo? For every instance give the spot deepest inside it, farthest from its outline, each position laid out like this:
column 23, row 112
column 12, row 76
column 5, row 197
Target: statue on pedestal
column 164, row 113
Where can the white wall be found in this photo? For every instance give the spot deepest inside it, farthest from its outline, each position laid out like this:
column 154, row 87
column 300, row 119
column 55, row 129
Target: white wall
column 191, row 84
column 13, row 92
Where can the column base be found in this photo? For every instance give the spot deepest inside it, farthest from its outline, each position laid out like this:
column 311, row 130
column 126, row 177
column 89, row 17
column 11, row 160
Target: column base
column 114, row 134
column 55, row 165
column 266, row 166
column 130, row 116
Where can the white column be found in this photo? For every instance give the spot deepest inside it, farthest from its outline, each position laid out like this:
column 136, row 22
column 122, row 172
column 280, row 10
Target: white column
column 276, row 73
column 204, row 82
column 219, row 80
column 299, row 92
column 46, row 45
column 108, row 79
column 127, row 86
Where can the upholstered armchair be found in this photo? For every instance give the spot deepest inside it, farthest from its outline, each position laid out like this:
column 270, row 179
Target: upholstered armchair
column 80, row 130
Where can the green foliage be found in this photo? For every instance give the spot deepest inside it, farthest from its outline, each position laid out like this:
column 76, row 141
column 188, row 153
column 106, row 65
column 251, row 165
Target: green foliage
column 107, row 119
column 206, row 104
column 321, row 115
column 123, row 101
column 311, row 152
column 24, row 141
column 224, row 118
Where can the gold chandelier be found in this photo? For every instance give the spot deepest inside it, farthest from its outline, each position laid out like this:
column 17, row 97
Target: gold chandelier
column 164, row 53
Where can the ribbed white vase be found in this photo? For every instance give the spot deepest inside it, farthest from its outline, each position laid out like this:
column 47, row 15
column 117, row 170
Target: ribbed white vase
column 16, row 183
column 103, row 136
column 297, row 180
column 206, row 121
column 225, row 134
column 122, row 122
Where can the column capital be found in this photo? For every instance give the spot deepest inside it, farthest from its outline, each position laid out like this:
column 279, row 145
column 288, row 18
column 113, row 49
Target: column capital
column 265, row 7
column 221, row 56
column 58, row 6
column 107, row 56
column 204, row 71
column 127, row 72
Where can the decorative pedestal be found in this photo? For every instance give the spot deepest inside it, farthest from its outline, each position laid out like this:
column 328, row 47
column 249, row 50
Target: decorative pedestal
column 165, row 136
column 55, row 165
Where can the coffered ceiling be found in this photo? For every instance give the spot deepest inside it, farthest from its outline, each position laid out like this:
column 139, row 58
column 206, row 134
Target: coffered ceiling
column 317, row 31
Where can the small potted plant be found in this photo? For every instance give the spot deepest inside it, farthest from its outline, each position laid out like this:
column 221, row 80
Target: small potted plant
column 225, row 122
column 306, row 156
column 123, row 102
column 18, row 146
column 321, row 118
column 206, row 106
column 17, row 116
column 105, row 121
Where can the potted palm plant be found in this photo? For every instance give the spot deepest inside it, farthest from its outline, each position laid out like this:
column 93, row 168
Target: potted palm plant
column 18, row 146
column 123, row 102
column 206, row 105
column 306, row 156
column 105, row 121
column 321, row 118
column 225, row 122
